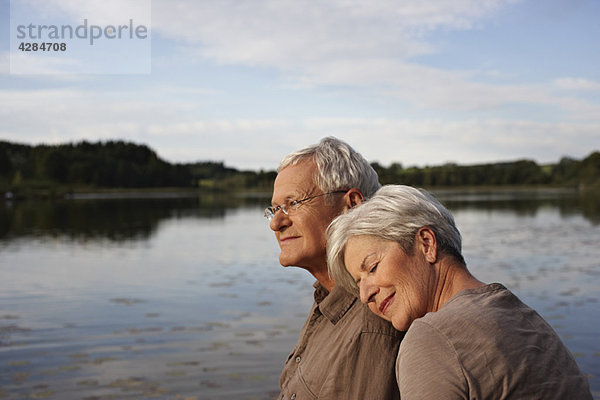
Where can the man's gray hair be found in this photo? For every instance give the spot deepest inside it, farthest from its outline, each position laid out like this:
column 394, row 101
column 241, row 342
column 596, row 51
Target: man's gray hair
column 339, row 166
column 395, row 213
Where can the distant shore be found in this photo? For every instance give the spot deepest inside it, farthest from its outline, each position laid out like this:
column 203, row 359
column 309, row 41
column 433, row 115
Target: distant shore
column 118, row 168
column 84, row 193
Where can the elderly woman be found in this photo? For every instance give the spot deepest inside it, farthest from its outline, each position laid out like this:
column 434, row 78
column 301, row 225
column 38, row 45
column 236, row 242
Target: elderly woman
column 401, row 251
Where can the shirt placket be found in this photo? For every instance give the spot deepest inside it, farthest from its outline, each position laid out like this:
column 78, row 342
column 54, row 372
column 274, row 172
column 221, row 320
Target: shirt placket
column 311, row 327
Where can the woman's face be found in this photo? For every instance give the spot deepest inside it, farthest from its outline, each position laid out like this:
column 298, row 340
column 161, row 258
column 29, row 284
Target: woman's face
column 398, row 287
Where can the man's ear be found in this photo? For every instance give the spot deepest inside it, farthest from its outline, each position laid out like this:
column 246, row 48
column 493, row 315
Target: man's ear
column 426, row 242
column 352, row 198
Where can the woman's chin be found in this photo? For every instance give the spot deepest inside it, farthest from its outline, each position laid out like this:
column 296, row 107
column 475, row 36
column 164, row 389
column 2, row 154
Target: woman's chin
column 401, row 324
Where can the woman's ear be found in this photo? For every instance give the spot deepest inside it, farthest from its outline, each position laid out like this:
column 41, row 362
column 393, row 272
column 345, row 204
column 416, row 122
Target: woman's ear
column 427, row 243
column 353, row 197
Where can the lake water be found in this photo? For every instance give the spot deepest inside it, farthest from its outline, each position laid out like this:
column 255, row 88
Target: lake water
column 183, row 297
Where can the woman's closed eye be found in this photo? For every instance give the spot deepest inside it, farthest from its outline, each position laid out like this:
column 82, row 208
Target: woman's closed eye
column 373, row 268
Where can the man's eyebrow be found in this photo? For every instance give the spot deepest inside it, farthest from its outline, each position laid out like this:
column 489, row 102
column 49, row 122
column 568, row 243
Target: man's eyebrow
column 285, row 200
column 291, row 197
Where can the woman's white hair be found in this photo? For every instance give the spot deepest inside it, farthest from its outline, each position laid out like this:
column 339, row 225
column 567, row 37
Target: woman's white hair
column 339, row 166
column 395, row 213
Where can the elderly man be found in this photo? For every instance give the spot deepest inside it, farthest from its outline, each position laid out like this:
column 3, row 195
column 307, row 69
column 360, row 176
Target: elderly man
column 344, row 351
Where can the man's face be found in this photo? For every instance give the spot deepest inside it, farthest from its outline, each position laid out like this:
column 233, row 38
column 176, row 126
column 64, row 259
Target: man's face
column 301, row 235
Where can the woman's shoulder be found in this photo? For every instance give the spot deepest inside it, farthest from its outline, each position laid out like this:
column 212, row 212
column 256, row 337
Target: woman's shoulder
column 486, row 309
column 489, row 333
column 471, row 302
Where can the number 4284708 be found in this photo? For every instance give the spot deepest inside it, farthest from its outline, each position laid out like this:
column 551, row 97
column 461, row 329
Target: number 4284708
column 44, row 46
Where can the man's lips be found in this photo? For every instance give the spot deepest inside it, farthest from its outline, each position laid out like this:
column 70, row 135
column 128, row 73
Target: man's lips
column 386, row 303
column 287, row 239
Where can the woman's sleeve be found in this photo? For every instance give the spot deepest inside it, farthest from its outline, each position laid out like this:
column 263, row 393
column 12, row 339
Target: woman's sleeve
column 428, row 366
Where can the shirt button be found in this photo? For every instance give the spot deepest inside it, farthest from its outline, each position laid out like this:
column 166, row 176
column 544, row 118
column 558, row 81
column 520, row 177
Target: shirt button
column 298, row 359
column 293, row 396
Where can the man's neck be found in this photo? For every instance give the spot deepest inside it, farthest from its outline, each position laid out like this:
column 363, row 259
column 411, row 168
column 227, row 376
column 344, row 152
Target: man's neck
column 326, row 281
column 322, row 275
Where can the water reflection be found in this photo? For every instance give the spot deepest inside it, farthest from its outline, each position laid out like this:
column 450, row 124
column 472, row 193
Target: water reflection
column 116, row 218
column 111, row 217
column 526, row 202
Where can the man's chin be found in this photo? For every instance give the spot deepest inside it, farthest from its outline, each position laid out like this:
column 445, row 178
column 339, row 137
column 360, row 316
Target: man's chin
column 286, row 263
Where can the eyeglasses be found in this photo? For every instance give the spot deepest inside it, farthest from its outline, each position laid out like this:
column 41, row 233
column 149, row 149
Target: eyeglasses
column 293, row 205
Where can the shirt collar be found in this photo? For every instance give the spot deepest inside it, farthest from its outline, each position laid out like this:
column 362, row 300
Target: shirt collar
column 333, row 305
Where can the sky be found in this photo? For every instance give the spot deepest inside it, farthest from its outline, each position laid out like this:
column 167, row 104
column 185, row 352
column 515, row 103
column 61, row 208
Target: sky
column 418, row 82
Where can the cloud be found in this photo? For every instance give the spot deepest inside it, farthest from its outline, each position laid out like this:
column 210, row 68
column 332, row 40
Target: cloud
column 98, row 11
column 410, row 142
column 171, row 127
column 435, row 142
column 4, row 62
column 371, row 46
column 347, row 43
column 36, row 64
column 59, row 115
column 222, row 127
column 177, row 133
column 294, row 35
column 577, row 84
column 285, row 33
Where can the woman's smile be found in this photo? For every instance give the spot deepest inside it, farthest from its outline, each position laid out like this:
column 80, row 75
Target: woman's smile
column 385, row 304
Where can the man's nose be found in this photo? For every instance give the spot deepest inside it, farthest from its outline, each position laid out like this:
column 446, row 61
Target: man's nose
column 279, row 221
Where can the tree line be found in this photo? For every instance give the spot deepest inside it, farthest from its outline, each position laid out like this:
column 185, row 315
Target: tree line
column 120, row 164
column 567, row 172
column 113, row 164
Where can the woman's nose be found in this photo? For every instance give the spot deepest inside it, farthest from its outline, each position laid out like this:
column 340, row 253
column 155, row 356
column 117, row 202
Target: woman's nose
column 368, row 291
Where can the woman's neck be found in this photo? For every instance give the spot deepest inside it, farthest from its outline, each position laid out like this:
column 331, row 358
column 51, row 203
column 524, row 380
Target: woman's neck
column 452, row 278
